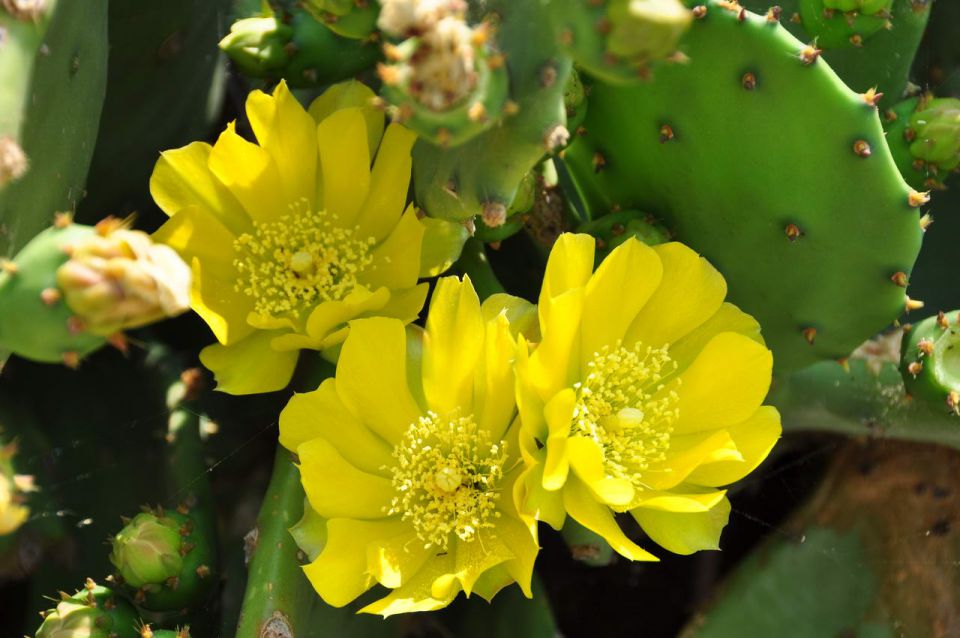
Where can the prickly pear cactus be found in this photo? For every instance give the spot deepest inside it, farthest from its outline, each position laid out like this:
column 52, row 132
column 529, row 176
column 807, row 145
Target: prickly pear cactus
column 665, row 147
column 488, row 299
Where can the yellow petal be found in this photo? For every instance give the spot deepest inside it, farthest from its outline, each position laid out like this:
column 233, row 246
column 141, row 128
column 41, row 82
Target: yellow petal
column 686, row 453
column 421, row 593
column 224, row 309
column 724, row 385
column 394, row 559
column 396, row 262
column 322, row 413
column 615, row 294
column 452, row 346
column 494, row 401
column 559, row 414
column 728, row 318
column 534, row 501
column 477, row 556
column 351, row 94
column 685, row 533
column 529, row 401
column 521, row 314
column 404, row 304
column 330, row 316
column 337, row 489
column 685, row 500
column 389, row 184
column 580, row 504
column 181, row 179
column 372, row 377
column 555, row 364
column 249, row 366
column 442, row 244
column 285, row 130
column 690, row 291
column 250, row 174
column 586, row 459
column 754, row 438
column 310, row 532
column 492, row 581
column 345, row 162
column 569, row 266
column 340, row 572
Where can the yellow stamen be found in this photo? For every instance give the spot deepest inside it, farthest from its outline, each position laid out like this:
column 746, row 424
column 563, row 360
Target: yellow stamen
column 446, row 477
column 617, row 409
column 302, row 259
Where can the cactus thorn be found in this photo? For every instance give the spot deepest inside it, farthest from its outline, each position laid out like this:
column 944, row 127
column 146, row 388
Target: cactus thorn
column 666, row 133
column 443, row 137
column 856, row 40
column 773, row 14
column 909, row 134
column 810, row 334
column 75, row 325
column 510, row 108
column 925, row 346
column 556, row 137
column 8, row 266
column 844, row 363
column 699, row 11
column 173, row 583
column 494, row 214
column 203, row 571
column 796, row 19
column 71, row 360
column 477, row 112
column 548, row 75
column 890, row 115
column 862, row 148
column 599, row 161
column 13, row 161
column 793, row 232
column 953, row 401
column 50, row 296
column 925, row 220
column 915, row 368
column 810, row 54
column 749, row 81
column 942, row 320
column 917, row 198
column 913, row 304
column 496, row 61
column 899, row 278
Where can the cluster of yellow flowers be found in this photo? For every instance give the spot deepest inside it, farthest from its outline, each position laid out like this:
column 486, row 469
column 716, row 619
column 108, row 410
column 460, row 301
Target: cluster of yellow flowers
column 431, row 455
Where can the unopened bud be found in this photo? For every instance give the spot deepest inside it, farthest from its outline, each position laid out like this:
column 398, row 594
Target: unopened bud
column 147, row 550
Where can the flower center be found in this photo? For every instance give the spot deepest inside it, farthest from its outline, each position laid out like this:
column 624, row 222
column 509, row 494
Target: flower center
column 446, row 479
column 302, row 259
column 617, row 409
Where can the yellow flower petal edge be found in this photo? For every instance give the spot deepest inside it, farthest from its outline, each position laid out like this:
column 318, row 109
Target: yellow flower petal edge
column 411, row 454
column 299, row 233
column 643, row 396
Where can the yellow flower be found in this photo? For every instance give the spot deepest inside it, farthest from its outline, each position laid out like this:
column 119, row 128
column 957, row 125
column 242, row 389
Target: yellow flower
column 643, row 396
column 410, row 454
column 291, row 238
column 13, row 489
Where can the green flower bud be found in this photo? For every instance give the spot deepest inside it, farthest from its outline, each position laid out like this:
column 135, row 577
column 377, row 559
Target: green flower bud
column 147, row 550
column 258, row 45
column 165, row 560
column 644, row 30
column 936, row 131
column 93, row 612
column 930, row 361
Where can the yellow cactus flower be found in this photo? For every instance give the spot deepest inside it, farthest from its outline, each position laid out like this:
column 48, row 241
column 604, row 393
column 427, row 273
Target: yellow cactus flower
column 291, row 238
column 13, row 489
column 643, row 396
column 410, row 455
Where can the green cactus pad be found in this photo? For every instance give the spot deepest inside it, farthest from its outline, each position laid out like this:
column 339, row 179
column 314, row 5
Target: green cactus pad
column 93, row 612
column 484, row 174
column 164, row 560
column 34, row 320
column 930, row 361
column 346, row 18
column 758, row 156
column 53, row 73
column 293, row 45
column 615, row 228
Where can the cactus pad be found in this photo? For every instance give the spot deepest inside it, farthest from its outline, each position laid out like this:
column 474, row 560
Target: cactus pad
column 757, row 155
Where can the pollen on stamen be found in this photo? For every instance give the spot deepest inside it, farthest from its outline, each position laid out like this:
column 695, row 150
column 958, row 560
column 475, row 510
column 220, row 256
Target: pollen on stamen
column 620, row 406
column 303, row 258
column 446, row 477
